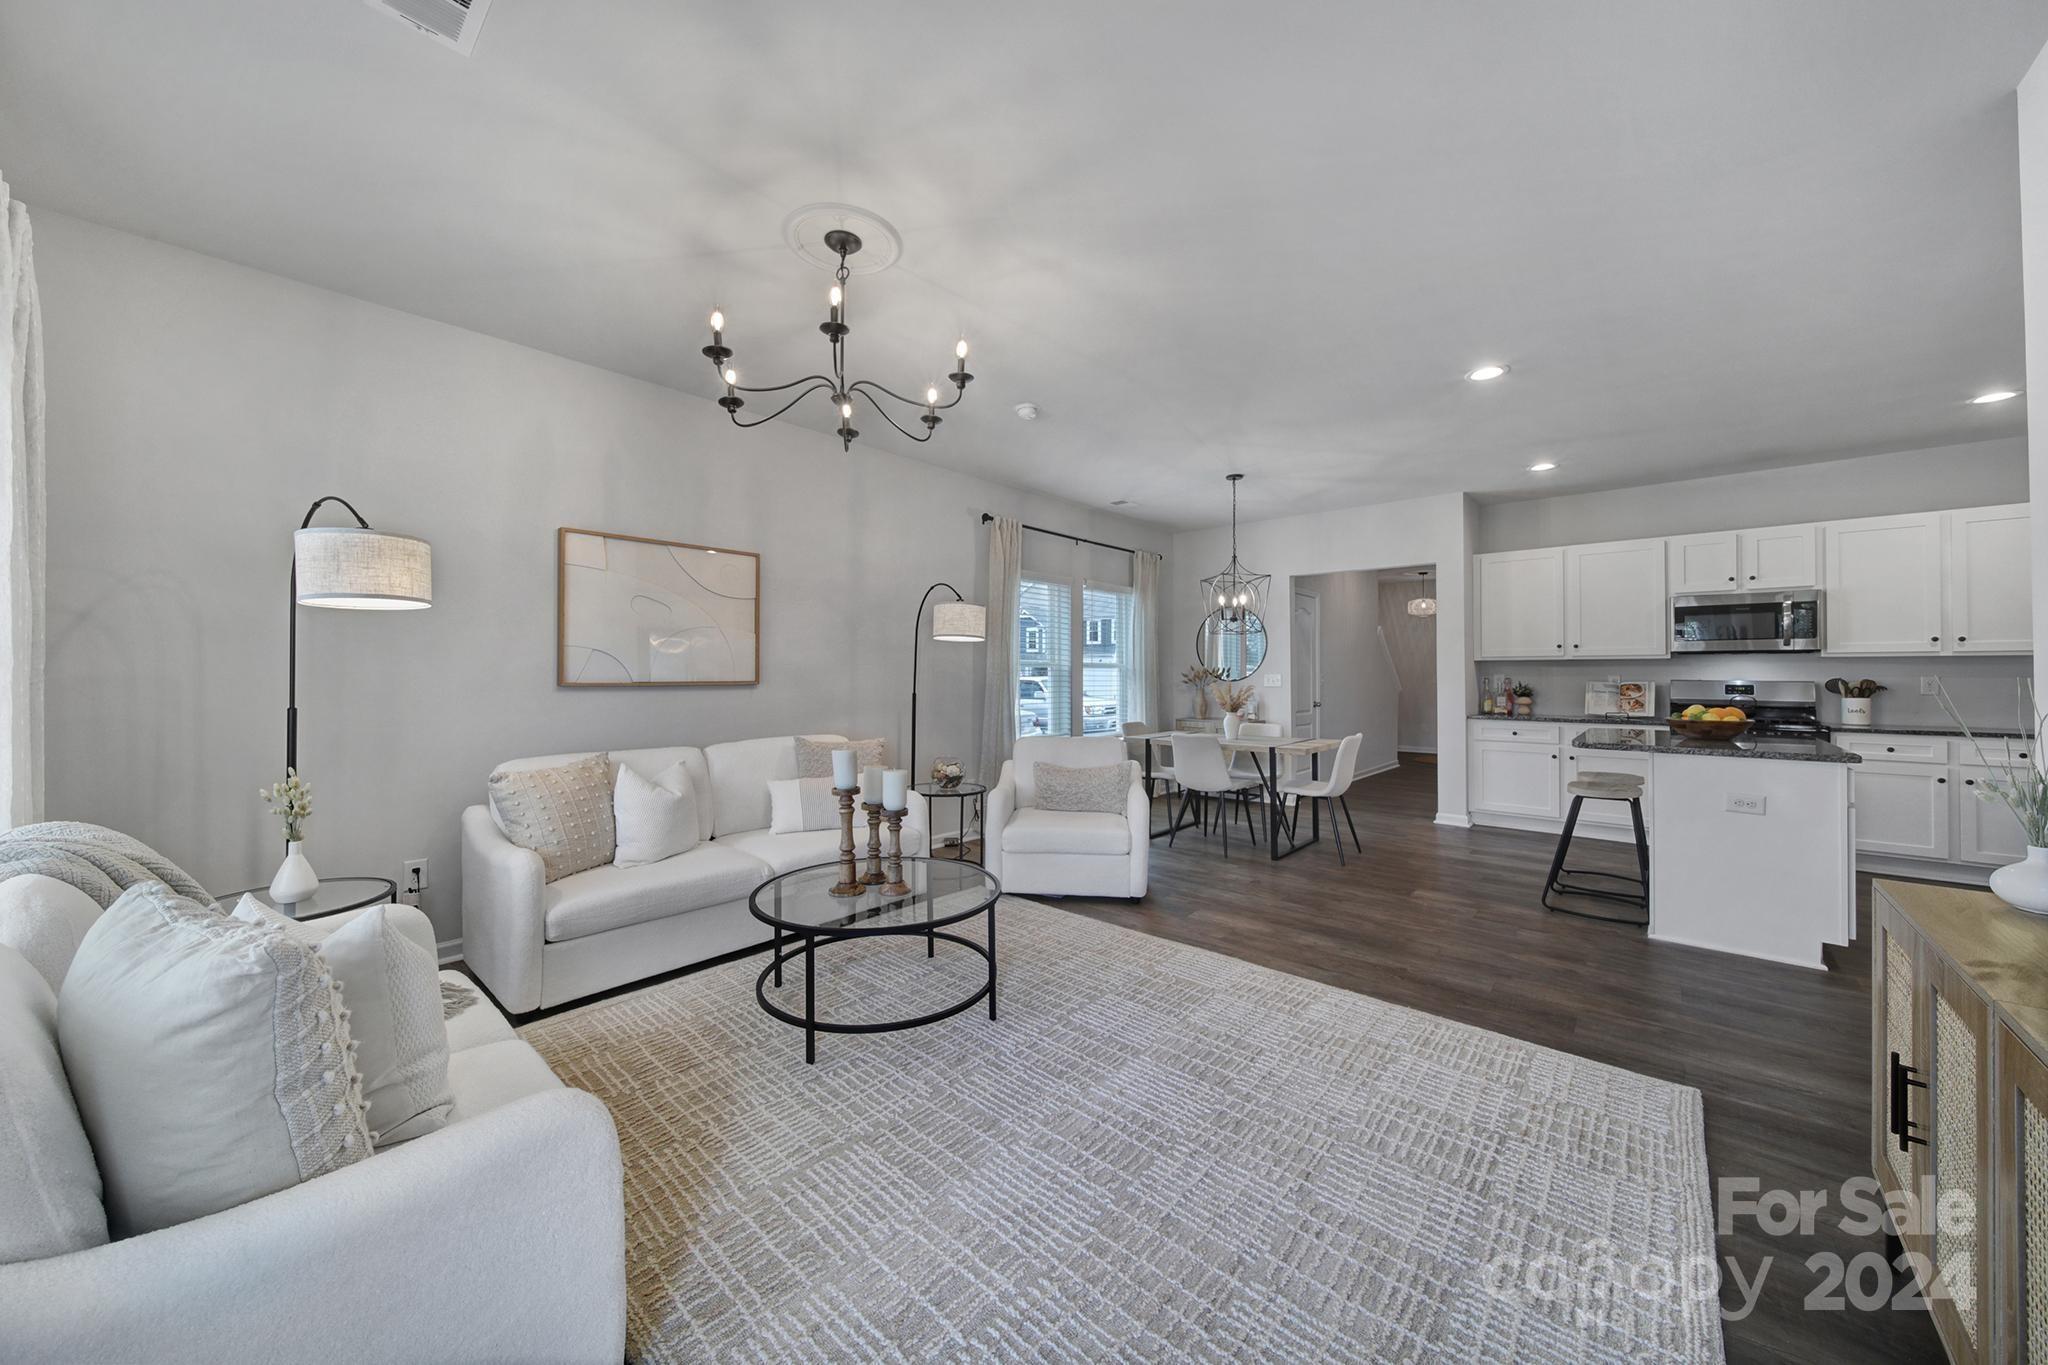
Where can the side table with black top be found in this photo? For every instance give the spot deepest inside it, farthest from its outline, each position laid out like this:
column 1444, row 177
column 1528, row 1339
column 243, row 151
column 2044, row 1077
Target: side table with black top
column 963, row 792
column 805, row 916
column 335, row 895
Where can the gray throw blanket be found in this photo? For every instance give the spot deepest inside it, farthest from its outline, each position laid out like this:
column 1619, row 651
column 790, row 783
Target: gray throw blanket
column 98, row 861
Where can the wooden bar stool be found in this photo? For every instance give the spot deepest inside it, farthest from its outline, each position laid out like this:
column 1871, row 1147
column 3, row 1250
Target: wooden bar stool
column 1594, row 786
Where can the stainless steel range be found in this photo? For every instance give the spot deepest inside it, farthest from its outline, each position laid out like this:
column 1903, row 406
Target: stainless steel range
column 1774, row 708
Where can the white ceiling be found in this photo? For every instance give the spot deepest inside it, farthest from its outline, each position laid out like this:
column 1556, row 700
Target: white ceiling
column 1201, row 236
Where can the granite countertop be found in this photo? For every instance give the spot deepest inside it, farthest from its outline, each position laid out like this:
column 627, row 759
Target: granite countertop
column 1579, row 719
column 1644, row 739
column 1949, row 731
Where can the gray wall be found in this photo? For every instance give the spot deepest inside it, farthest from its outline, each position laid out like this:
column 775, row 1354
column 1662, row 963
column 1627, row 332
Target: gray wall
column 1361, row 693
column 1982, row 474
column 1412, row 642
column 196, row 408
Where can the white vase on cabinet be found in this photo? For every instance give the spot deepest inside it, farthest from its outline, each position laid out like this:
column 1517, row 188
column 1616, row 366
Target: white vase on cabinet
column 2024, row 885
column 295, row 879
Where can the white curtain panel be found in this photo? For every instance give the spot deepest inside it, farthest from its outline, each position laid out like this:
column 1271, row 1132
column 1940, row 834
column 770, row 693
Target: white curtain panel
column 1141, row 653
column 999, row 696
column 21, row 523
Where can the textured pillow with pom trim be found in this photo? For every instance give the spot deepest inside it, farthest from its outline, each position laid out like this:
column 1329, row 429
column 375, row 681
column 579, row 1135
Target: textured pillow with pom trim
column 210, row 1059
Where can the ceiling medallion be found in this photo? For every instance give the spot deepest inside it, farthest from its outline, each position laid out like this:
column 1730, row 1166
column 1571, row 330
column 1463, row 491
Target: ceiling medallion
column 1238, row 593
column 840, row 243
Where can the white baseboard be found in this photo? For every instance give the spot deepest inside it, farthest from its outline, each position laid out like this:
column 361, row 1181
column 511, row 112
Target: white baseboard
column 1386, row 767
column 1417, row 749
column 1926, row 870
column 451, row 949
column 1734, row 952
column 1618, row 834
column 1453, row 819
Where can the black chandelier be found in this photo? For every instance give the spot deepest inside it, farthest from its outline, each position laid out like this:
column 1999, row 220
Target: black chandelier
column 845, row 244
column 1238, row 593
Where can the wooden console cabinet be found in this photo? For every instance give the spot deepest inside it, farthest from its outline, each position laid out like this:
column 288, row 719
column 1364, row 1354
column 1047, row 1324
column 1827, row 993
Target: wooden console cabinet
column 1959, row 1108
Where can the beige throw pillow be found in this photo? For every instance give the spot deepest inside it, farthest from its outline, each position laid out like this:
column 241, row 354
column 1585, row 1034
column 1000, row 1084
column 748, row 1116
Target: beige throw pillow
column 814, row 757
column 562, row 813
column 211, row 1060
column 1104, row 789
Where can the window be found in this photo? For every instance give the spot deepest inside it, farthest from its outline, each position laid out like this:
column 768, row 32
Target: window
column 1108, row 612
column 1101, row 629
column 1045, row 657
column 1034, row 640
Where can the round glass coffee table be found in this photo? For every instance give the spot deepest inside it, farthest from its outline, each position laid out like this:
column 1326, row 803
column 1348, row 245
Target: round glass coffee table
column 805, row 916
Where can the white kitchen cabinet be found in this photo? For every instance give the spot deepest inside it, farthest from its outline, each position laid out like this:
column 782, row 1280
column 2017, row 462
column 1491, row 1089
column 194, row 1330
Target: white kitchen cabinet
column 1510, row 777
column 1779, row 557
column 1902, row 809
column 1989, row 599
column 1704, row 563
column 1884, row 579
column 1614, row 813
column 1986, row 831
column 1615, row 605
column 1519, row 599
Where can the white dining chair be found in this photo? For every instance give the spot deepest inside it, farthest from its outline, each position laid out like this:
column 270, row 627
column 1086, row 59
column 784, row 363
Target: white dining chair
column 1162, row 755
column 1330, row 790
column 1244, row 765
column 1200, row 771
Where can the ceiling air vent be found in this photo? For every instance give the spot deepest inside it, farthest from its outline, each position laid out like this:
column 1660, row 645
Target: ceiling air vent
column 452, row 23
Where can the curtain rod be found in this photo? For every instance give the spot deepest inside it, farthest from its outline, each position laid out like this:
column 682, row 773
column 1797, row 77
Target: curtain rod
column 987, row 517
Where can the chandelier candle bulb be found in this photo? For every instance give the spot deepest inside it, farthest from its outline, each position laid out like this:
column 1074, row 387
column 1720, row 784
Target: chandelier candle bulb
column 838, row 297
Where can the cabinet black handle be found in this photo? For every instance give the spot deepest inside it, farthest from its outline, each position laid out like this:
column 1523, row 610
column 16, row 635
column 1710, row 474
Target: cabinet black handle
column 2023, row 753
column 1752, row 578
column 1902, row 1124
column 1962, row 639
column 1969, row 782
column 1934, row 639
column 1889, row 749
column 1731, row 578
column 1942, row 780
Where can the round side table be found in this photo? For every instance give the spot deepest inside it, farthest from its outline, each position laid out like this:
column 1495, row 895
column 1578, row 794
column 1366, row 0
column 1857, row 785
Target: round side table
column 335, row 895
column 963, row 792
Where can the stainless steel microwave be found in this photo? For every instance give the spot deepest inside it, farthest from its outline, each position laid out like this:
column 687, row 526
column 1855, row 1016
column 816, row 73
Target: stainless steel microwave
column 1748, row 622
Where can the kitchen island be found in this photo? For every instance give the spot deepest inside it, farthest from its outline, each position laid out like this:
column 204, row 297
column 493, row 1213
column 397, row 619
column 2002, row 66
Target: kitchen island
column 1752, row 841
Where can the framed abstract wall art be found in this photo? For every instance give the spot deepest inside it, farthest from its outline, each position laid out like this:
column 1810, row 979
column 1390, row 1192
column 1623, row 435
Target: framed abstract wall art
column 631, row 611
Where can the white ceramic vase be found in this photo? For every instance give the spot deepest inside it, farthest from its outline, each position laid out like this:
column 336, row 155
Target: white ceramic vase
column 2024, row 885
column 295, row 879
column 1231, row 720
column 1856, row 712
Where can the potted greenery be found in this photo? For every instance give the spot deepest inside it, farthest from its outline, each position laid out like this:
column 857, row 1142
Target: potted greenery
column 1525, row 699
column 1855, row 700
column 292, row 801
column 1233, row 700
column 1199, row 676
column 2019, row 784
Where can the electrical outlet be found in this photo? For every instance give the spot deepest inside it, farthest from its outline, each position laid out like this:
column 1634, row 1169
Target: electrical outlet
column 1930, row 687
column 1746, row 805
column 412, row 882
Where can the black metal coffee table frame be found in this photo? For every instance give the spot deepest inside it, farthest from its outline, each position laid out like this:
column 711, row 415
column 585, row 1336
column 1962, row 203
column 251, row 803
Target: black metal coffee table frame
column 807, row 939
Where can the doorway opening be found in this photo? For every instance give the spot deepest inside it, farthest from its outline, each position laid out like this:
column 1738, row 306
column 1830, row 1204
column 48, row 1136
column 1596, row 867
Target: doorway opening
column 1362, row 659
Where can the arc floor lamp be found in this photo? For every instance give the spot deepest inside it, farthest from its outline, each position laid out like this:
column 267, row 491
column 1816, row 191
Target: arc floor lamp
column 355, row 568
column 960, row 621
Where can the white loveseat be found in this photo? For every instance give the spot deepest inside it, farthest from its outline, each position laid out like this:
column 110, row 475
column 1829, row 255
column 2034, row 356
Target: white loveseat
column 1067, row 853
column 499, row 1237
column 537, row 943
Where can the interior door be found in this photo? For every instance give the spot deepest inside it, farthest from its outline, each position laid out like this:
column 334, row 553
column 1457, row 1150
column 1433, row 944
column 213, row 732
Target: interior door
column 1305, row 643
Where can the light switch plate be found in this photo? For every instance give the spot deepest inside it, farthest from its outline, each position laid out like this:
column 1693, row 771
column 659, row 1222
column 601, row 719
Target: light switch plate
column 1745, row 805
column 1930, row 687
column 1273, row 680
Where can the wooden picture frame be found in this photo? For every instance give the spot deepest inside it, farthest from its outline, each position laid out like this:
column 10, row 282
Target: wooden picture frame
column 636, row 611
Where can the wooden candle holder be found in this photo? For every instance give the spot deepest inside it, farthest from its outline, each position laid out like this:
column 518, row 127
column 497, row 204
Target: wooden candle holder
column 849, row 883
column 873, row 876
column 897, row 886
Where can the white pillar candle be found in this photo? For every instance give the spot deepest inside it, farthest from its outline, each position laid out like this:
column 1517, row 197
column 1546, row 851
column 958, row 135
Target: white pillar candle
column 871, row 785
column 843, row 775
column 895, row 789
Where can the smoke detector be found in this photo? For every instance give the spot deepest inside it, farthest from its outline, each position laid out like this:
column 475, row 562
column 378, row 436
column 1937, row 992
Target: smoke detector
column 879, row 244
column 451, row 23
column 1028, row 411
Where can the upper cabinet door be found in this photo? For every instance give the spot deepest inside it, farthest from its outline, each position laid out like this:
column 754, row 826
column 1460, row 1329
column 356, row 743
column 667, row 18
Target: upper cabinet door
column 1519, row 596
column 1779, row 557
column 1707, row 563
column 1615, row 606
column 1990, row 600
column 1884, row 585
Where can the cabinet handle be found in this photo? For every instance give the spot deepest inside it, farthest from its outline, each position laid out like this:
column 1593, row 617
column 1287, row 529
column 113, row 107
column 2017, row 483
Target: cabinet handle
column 1969, row 782
column 1962, row 639
column 1942, row 780
column 1934, row 639
column 2023, row 753
column 1752, row 578
column 1902, row 1124
column 1889, row 749
column 1731, row 578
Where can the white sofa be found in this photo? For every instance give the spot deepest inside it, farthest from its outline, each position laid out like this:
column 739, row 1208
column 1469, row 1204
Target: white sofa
column 1067, row 853
column 537, row 943
column 499, row 1237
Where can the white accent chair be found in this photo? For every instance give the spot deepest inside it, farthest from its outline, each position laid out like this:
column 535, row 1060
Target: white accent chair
column 1203, row 774
column 1067, row 853
column 499, row 1237
column 1330, row 790
column 538, row 943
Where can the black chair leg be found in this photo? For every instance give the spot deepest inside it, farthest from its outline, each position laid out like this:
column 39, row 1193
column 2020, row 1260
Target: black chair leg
column 1635, row 811
column 1564, row 843
column 1225, row 823
column 1336, row 834
column 1347, row 820
column 1251, row 822
column 1173, row 827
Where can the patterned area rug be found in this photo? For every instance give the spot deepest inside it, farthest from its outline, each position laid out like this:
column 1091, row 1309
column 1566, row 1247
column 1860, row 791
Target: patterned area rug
column 1156, row 1152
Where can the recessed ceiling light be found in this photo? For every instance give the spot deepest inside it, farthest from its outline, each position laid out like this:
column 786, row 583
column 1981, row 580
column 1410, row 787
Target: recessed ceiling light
column 1996, row 396
column 1543, row 466
column 1486, row 372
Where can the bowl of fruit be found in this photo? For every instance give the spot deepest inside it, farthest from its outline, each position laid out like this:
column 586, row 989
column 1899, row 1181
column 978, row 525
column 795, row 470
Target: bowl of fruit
column 1710, row 722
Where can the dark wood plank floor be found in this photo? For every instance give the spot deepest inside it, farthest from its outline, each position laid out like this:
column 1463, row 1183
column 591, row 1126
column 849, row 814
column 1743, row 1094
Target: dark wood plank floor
column 1447, row 920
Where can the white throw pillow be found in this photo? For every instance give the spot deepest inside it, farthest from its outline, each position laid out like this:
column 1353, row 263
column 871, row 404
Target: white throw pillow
column 656, row 819
column 800, row 804
column 392, row 989
column 45, row 920
column 210, row 1059
column 49, row 1186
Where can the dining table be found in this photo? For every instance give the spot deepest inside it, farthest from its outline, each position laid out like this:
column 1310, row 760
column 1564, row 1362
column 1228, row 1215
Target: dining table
column 1275, row 748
